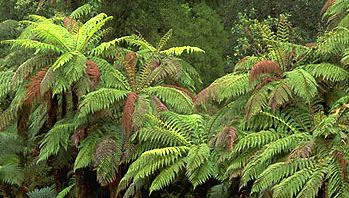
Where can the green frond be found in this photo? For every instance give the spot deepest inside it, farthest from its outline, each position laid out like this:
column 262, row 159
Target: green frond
column 10, row 170
column 137, row 41
column 286, row 121
column 197, row 156
column 65, row 191
column 111, row 77
column 245, row 64
column 257, row 102
column 100, row 99
column 333, row 43
column 55, row 35
column 230, row 86
column 201, row 174
column 167, row 176
column 72, row 72
column 56, row 138
column 5, row 83
column 32, row 64
column 303, row 84
column 314, row 184
column 327, row 71
column 280, row 95
column 164, row 39
column 326, row 127
column 63, row 59
column 81, row 11
column 277, row 172
column 88, row 29
column 47, row 192
column 86, row 150
column 290, row 186
column 36, row 45
column 254, row 140
column 177, row 51
column 174, row 98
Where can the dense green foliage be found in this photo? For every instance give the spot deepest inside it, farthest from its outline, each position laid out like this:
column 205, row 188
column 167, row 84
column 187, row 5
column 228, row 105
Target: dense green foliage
column 158, row 99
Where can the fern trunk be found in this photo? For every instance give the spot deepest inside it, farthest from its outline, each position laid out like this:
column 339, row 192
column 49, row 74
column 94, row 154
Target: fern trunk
column 52, row 111
column 64, row 104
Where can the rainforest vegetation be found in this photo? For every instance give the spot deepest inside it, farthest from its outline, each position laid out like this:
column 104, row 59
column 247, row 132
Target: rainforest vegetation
column 174, row 98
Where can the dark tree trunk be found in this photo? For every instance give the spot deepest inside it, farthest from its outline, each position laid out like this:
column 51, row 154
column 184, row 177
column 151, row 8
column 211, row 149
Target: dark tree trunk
column 64, row 105
column 82, row 185
column 52, row 111
column 75, row 100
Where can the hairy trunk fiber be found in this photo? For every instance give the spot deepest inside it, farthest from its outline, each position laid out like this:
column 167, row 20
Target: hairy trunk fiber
column 82, row 187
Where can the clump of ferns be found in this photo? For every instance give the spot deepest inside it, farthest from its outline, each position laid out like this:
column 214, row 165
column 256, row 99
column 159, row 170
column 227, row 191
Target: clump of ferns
column 293, row 162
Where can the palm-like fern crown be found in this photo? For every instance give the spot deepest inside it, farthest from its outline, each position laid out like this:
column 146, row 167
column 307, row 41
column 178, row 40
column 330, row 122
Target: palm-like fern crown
column 139, row 79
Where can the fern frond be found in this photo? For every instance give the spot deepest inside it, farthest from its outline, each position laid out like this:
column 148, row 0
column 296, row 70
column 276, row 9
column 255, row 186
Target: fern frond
column 292, row 185
column 172, row 97
column 37, row 45
column 81, row 11
column 86, row 149
column 65, row 191
column 246, row 63
column 264, row 67
column 33, row 89
column 164, row 39
column 166, row 176
column 56, row 138
column 127, row 113
column 88, row 29
column 303, row 84
column 100, row 99
column 177, row 51
column 327, row 71
column 107, row 159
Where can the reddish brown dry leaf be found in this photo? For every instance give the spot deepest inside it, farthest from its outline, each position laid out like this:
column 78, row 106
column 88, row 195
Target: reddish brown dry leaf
column 69, row 23
column 227, row 137
column 78, row 136
column 130, row 62
column 327, row 4
column 204, row 95
column 160, row 106
column 302, row 151
column 265, row 67
column 343, row 163
column 33, row 88
column 127, row 113
column 93, row 72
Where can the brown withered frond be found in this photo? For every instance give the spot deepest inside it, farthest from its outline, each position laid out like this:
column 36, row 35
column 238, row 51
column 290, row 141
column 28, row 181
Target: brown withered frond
column 127, row 113
column 303, row 151
column 78, row 135
column 159, row 105
column 264, row 67
column 93, row 72
column 70, row 24
column 33, row 88
column 203, row 96
column 130, row 61
column 105, row 148
column 343, row 163
column 184, row 90
column 327, row 4
column 226, row 137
